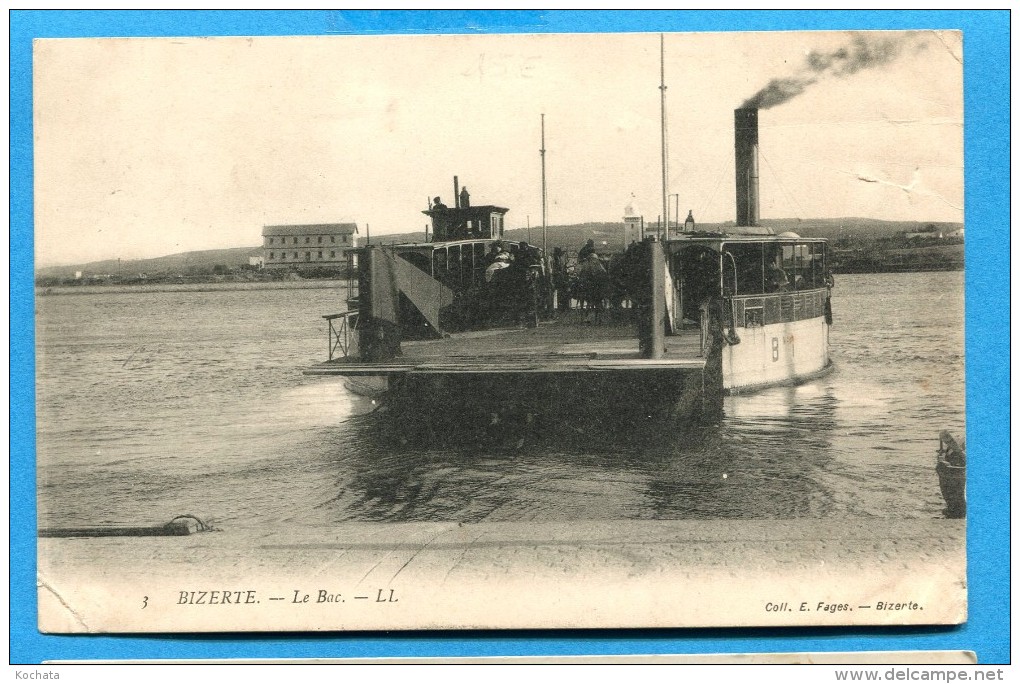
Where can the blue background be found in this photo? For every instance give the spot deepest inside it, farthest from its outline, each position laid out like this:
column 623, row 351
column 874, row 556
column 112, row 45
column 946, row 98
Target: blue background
column 986, row 78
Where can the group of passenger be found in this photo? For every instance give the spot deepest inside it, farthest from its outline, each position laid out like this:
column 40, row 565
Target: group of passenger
column 519, row 283
column 514, row 283
column 778, row 280
column 595, row 280
column 523, row 286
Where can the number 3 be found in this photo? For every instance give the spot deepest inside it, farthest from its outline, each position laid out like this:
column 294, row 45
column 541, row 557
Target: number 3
column 145, row 602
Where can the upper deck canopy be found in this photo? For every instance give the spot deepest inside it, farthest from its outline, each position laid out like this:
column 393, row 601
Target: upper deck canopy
column 717, row 240
column 463, row 223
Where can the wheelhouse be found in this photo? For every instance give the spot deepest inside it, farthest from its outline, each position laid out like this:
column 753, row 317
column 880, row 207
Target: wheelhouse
column 465, row 223
column 767, row 280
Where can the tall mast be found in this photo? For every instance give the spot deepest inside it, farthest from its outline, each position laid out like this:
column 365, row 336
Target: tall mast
column 545, row 248
column 662, row 89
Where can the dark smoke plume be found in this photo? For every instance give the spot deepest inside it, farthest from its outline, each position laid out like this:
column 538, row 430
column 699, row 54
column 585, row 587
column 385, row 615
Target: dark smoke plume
column 864, row 52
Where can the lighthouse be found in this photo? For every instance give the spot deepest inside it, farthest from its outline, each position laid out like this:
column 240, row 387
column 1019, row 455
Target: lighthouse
column 633, row 225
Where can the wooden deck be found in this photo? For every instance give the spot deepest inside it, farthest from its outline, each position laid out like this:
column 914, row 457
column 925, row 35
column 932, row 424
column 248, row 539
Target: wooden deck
column 568, row 344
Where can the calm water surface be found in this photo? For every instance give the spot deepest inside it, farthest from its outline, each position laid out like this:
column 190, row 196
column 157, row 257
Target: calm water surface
column 156, row 404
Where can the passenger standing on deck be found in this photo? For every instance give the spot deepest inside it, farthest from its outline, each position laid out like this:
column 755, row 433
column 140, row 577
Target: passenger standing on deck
column 465, row 198
column 437, row 204
column 561, row 279
column 589, row 248
column 491, row 255
column 524, row 283
column 494, row 301
column 501, row 261
column 593, row 282
column 777, row 280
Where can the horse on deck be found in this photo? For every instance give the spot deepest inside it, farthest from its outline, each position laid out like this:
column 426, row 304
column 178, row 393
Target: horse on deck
column 593, row 285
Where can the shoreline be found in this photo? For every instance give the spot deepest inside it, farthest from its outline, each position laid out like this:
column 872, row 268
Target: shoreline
column 891, row 269
column 190, row 287
column 310, row 284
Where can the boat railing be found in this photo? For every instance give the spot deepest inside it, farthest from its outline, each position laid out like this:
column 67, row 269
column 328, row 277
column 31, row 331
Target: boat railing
column 748, row 311
column 343, row 334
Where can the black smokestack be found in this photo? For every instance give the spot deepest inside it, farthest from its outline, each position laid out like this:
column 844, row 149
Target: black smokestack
column 745, row 144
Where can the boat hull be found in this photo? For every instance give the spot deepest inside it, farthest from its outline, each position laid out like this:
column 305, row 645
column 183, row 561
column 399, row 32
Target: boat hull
column 775, row 354
column 370, row 386
column 615, row 400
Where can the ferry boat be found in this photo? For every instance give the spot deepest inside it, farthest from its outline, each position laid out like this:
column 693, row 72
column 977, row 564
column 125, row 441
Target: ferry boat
column 702, row 314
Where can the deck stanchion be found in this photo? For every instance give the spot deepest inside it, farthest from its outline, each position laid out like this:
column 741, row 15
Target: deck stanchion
column 657, row 310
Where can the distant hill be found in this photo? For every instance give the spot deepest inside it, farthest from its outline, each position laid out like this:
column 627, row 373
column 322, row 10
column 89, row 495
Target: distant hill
column 573, row 236
column 854, row 228
column 174, row 263
column 570, row 237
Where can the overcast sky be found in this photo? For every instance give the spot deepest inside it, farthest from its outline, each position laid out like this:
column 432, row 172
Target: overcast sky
column 151, row 146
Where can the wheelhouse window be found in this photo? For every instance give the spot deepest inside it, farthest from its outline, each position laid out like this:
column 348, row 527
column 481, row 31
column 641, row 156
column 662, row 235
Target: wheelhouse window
column 700, row 276
column 495, row 225
column 454, row 265
column 466, row 265
column 804, row 265
column 816, row 255
column 742, row 268
column 440, row 268
column 479, row 262
column 764, row 268
column 797, row 264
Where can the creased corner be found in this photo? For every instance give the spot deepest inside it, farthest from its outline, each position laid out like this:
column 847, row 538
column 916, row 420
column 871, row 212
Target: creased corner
column 951, row 49
column 55, row 613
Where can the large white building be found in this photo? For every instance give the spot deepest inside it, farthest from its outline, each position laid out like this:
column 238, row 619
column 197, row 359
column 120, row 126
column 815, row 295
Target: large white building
column 317, row 244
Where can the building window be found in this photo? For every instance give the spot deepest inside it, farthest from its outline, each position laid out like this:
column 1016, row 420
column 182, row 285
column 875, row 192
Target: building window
column 283, row 255
column 343, row 238
column 307, row 240
column 320, row 254
column 332, row 255
column 295, row 241
column 270, row 240
column 295, row 255
column 320, row 239
column 332, row 238
column 308, row 256
column 272, row 255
